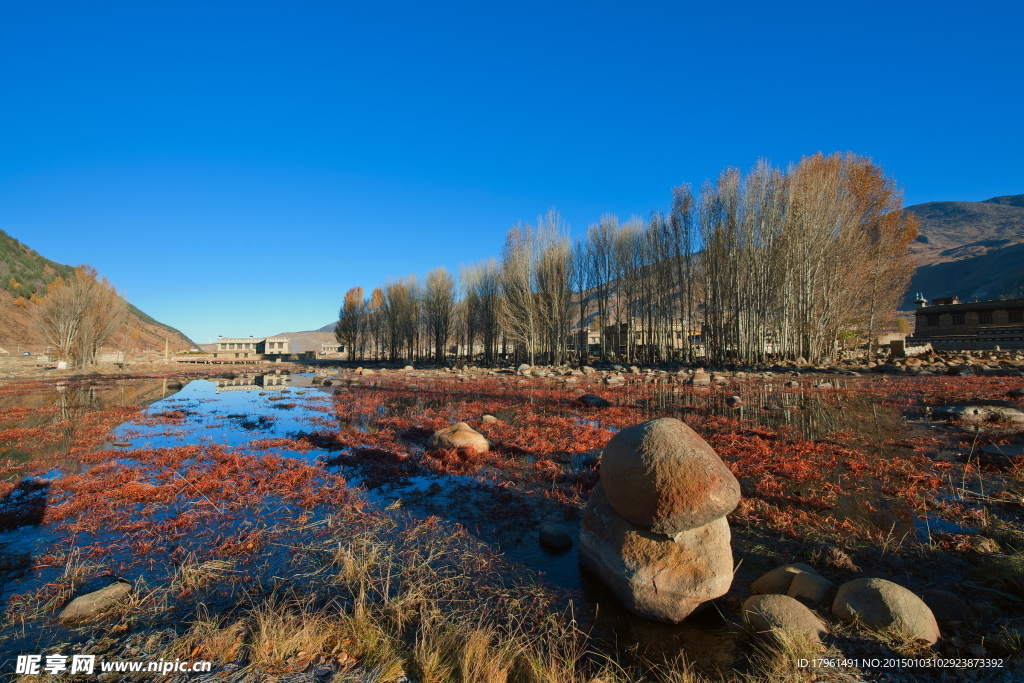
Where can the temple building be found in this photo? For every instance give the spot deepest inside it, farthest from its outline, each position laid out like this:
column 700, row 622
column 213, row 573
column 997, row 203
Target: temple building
column 950, row 325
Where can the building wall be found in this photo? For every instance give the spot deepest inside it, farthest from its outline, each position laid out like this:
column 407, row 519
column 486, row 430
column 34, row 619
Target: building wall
column 971, row 326
column 967, row 319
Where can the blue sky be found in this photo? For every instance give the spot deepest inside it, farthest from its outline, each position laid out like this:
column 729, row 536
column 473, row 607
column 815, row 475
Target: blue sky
column 234, row 167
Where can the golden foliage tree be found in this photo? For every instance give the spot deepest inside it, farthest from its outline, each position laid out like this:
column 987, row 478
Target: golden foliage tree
column 79, row 315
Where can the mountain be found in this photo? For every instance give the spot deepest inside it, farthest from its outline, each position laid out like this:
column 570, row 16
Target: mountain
column 311, row 340
column 969, row 250
column 24, row 274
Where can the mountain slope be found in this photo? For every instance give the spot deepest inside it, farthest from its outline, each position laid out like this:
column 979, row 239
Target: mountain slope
column 24, row 275
column 969, row 249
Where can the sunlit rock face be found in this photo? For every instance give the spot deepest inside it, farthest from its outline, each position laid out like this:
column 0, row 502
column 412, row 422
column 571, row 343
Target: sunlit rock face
column 654, row 529
column 655, row 576
column 661, row 474
column 459, row 435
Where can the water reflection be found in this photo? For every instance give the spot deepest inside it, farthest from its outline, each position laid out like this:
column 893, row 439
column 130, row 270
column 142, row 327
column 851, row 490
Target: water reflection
column 61, row 408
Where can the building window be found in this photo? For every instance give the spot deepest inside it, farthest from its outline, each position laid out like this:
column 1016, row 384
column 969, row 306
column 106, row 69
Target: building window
column 1017, row 316
column 985, row 318
column 959, row 319
column 933, row 321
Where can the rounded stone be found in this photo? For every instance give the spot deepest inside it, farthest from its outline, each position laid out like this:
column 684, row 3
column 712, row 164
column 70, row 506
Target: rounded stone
column 95, row 603
column 658, row 577
column 779, row 579
column 554, row 537
column 459, row 435
column 881, row 604
column 947, row 607
column 661, row 474
column 593, row 401
column 782, row 615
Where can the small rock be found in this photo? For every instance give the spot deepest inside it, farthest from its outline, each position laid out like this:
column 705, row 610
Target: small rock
column 779, row 580
column 781, row 613
column 984, row 545
column 94, row 603
column 587, row 370
column 947, row 607
column 554, row 537
column 488, row 419
column 594, row 401
column 523, row 367
column 809, row 587
column 733, row 401
column 880, row 603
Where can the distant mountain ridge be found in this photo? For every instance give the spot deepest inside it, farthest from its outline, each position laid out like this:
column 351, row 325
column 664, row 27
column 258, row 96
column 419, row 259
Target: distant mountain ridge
column 969, row 249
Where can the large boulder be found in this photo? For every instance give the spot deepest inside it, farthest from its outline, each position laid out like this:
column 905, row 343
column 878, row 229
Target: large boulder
column 656, row 576
column 979, row 411
column 662, row 475
column 459, row 435
column 881, row 604
column 782, row 615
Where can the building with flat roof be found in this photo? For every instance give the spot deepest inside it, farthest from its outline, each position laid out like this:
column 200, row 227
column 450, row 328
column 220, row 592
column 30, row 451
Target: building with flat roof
column 950, row 325
column 240, row 348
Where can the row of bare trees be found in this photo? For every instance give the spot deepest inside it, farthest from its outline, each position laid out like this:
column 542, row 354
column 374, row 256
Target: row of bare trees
column 79, row 314
column 773, row 264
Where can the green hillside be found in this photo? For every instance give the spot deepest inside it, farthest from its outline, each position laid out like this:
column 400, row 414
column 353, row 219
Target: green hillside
column 24, row 272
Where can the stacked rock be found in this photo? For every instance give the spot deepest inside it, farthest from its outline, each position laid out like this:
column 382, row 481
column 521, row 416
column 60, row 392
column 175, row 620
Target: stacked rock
column 654, row 528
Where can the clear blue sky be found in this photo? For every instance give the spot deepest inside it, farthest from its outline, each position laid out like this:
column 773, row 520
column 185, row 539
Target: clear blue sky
column 234, row 167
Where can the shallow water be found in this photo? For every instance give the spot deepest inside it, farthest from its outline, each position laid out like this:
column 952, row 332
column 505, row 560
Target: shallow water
column 240, row 411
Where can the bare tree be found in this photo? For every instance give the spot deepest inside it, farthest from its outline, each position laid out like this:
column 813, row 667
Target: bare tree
column 439, row 309
column 401, row 313
column 79, row 315
column 517, row 311
column 351, row 328
column 375, row 322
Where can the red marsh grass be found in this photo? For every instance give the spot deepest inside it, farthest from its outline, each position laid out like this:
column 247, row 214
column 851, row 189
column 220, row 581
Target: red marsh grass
column 259, row 544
